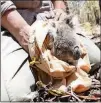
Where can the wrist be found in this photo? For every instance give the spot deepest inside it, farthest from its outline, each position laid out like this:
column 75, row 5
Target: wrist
column 25, row 29
column 24, row 36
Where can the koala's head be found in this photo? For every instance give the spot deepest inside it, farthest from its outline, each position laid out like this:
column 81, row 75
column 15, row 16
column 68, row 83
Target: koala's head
column 66, row 45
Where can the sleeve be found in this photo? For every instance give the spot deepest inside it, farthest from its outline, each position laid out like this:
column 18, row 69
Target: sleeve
column 6, row 5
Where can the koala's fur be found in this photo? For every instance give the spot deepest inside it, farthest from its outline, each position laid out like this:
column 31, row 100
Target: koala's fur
column 66, row 45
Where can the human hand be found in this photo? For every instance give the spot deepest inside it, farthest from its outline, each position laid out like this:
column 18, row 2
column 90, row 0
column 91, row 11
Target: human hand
column 56, row 14
column 45, row 15
column 59, row 14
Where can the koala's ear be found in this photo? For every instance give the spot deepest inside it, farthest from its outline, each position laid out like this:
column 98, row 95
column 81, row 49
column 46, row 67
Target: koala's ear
column 75, row 21
column 68, row 20
column 72, row 20
column 69, row 16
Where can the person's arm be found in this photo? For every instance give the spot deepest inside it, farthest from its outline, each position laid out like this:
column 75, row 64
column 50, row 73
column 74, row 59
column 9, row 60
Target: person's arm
column 14, row 23
column 17, row 26
column 59, row 4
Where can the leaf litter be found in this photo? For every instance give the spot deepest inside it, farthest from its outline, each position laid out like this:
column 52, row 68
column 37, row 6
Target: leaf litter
column 47, row 94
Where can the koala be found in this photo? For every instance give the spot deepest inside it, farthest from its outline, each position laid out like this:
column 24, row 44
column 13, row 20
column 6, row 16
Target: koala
column 66, row 45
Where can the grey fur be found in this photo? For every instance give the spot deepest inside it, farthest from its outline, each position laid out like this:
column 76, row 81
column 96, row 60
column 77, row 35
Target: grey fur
column 66, row 45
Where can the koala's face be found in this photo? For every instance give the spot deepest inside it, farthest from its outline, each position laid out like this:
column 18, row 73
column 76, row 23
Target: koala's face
column 66, row 45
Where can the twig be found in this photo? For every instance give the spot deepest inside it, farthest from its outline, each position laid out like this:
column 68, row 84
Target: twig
column 88, row 98
column 50, row 99
column 75, row 96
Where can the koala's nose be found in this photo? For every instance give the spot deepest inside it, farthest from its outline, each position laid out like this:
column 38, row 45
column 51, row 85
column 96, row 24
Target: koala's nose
column 77, row 53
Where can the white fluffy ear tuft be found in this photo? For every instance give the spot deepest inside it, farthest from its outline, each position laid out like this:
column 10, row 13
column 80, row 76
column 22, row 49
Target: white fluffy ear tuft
column 75, row 21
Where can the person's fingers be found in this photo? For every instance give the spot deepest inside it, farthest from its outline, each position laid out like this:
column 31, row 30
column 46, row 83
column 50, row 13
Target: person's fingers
column 62, row 16
column 57, row 16
column 52, row 14
column 47, row 14
column 57, row 13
